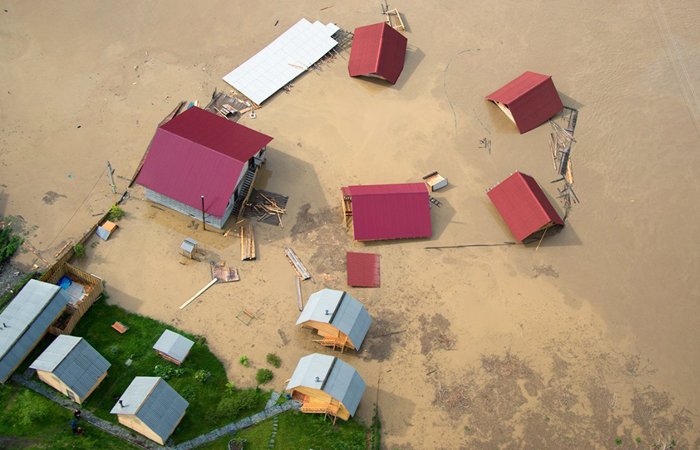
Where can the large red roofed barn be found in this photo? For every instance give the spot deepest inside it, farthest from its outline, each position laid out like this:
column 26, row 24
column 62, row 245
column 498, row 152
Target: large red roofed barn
column 388, row 211
column 377, row 50
column 524, row 207
column 529, row 101
column 199, row 153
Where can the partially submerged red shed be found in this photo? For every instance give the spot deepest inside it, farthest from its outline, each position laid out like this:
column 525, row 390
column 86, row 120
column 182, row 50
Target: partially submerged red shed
column 529, row 101
column 524, row 207
column 377, row 50
column 387, row 211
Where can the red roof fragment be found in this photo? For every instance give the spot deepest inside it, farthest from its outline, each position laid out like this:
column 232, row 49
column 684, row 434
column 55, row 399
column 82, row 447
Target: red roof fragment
column 199, row 153
column 523, row 205
column 363, row 269
column 377, row 50
column 531, row 98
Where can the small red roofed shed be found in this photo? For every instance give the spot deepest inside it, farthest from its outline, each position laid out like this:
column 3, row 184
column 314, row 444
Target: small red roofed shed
column 377, row 50
column 524, row 207
column 529, row 100
column 388, row 211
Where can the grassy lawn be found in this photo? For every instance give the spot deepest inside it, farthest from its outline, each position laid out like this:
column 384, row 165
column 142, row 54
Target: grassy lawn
column 301, row 431
column 28, row 420
column 212, row 403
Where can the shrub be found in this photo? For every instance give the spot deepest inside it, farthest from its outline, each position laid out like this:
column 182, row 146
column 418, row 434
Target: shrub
column 167, row 372
column 231, row 406
column 115, row 213
column 231, row 388
column 202, row 375
column 9, row 243
column 274, row 360
column 245, row 362
column 264, row 376
column 79, row 250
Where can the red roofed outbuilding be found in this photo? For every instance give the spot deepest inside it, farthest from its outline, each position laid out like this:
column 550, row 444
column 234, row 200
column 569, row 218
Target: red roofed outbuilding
column 377, row 50
column 529, row 101
column 199, row 153
column 524, row 207
column 388, row 211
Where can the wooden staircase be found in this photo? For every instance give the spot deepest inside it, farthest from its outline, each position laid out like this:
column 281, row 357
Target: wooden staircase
column 321, row 408
column 339, row 342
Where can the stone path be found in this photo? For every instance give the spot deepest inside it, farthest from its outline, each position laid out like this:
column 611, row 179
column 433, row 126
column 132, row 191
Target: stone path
column 271, row 409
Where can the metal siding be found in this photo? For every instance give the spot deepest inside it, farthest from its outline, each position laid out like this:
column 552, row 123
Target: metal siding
column 162, row 410
column 134, row 395
column 345, row 385
column 308, row 368
column 82, row 368
column 318, row 303
column 352, row 319
column 174, row 345
column 363, row 269
column 55, row 353
column 378, row 50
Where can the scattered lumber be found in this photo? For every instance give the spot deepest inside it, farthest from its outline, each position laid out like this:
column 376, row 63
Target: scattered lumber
column 200, row 292
column 247, row 242
column 297, row 264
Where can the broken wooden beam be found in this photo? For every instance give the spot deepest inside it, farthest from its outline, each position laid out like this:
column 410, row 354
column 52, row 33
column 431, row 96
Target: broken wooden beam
column 247, row 242
column 200, row 292
column 297, row 264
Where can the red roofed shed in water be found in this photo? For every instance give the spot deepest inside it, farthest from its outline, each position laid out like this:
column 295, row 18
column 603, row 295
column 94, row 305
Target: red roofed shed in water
column 199, row 153
column 524, row 207
column 388, row 211
column 529, row 101
column 377, row 50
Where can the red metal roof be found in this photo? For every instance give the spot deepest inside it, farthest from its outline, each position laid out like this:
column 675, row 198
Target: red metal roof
column 531, row 98
column 363, row 269
column 390, row 211
column 199, row 153
column 523, row 205
column 377, row 50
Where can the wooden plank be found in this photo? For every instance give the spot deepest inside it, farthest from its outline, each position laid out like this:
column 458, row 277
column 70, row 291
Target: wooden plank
column 200, row 292
column 297, row 264
column 247, row 234
column 300, row 303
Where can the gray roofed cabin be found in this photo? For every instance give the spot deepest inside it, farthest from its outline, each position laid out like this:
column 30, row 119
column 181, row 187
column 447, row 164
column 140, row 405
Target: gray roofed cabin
column 340, row 319
column 26, row 320
column 151, row 407
column 326, row 385
column 71, row 366
column 173, row 347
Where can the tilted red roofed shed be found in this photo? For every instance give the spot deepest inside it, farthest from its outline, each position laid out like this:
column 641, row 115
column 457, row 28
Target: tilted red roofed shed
column 377, row 50
column 388, row 211
column 199, row 153
column 524, row 207
column 529, row 100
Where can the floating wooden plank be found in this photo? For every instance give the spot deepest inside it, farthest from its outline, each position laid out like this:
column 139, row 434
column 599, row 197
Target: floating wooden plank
column 200, row 292
column 247, row 242
column 298, row 265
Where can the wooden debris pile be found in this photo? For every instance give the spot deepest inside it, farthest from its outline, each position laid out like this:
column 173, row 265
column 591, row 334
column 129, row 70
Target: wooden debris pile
column 561, row 142
column 266, row 207
column 247, row 235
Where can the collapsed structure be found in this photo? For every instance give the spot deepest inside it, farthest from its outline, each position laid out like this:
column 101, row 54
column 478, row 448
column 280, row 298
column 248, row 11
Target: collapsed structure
column 340, row 319
column 378, row 50
column 326, row 385
column 529, row 100
column 201, row 164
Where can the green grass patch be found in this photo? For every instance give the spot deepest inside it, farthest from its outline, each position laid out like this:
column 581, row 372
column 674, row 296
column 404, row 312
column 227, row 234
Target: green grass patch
column 264, row 376
column 274, row 360
column 9, row 242
column 204, row 393
column 28, row 420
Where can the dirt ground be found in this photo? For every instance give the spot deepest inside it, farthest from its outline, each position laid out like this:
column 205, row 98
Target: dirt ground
column 589, row 339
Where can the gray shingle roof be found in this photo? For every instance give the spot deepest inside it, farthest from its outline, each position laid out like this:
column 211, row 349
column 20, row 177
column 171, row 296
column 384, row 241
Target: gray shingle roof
column 174, row 345
column 75, row 362
column 153, row 401
column 331, row 375
column 341, row 310
column 27, row 318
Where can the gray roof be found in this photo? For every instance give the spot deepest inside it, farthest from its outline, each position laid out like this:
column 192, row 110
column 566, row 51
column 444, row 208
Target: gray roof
column 339, row 309
column 331, row 375
column 174, row 345
column 153, row 401
column 75, row 362
column 25, row 321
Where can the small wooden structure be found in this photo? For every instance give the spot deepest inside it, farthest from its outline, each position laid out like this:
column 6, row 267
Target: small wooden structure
column 84, row 289
column 340, row 319
column 151, row 407
column 188, row 248
column 392, row 17
column 326, row 385
column 105, row 230
column 435, row 181
column 71, row 366
column 120, row 327
column 173, row 347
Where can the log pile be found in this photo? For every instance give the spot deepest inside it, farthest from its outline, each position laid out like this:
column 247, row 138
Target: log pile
column 268, row 208
column 247, row 242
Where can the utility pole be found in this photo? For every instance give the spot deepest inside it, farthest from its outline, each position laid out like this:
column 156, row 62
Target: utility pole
column 204, row 223
column 110, row 171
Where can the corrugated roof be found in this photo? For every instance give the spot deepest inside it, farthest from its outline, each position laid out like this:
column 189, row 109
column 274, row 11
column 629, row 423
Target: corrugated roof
column 363, row 269
column 523, row 205
column 199, row 153
column 331, row 375
column 390, row 211
column 531, row 98
column 174, row 345
column 378, row 50
column 155, row 402
column 74, row 361
column 345, row 313
column 284, row 59
column 27, row 318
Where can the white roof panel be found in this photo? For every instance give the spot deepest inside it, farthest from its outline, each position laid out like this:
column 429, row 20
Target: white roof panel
column 282, row 60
